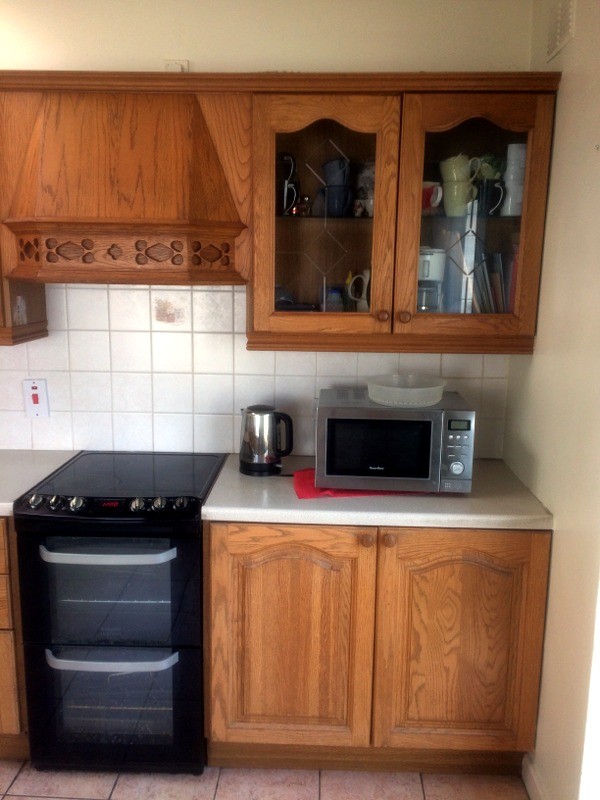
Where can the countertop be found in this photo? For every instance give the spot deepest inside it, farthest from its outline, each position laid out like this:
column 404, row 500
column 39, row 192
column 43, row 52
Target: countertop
column 22, row 469
column 498, row 499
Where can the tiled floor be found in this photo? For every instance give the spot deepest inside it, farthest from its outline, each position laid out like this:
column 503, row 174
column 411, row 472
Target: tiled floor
column 18, row 780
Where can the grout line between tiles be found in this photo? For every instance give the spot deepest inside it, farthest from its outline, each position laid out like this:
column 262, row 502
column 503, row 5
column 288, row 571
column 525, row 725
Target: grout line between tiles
column 217, row 783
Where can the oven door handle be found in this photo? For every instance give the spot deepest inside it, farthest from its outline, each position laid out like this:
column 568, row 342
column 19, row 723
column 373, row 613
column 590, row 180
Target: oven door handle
column 107, row 560
column 74, row 665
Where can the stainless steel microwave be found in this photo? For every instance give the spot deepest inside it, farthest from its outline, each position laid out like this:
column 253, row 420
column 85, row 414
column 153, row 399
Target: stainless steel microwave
column 363, row 445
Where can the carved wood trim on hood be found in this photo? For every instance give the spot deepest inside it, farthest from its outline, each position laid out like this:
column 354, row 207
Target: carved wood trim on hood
column 130, row 187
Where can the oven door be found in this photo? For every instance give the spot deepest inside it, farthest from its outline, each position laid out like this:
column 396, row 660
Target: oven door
column 140, row 708
column 130, row 590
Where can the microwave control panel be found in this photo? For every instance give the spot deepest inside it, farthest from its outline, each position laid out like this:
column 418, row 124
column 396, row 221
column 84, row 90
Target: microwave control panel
column 458, row 439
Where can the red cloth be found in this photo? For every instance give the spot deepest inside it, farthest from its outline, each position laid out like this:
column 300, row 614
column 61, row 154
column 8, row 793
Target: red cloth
column 304, row 486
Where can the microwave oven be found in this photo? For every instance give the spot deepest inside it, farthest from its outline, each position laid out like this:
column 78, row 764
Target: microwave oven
column 364, row 445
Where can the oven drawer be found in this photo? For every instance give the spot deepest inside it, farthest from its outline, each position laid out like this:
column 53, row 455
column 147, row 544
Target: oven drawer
column 136, row 706
column 93, row 590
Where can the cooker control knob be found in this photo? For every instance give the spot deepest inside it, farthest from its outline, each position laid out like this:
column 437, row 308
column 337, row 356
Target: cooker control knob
column 159, row 504
column 56, row 502
column 77, row 503
column 180, row 503
column 457, row 468
column 35, row 501
column 137, row 504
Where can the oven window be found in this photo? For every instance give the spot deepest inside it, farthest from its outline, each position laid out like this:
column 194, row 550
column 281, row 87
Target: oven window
column 113, row 694
column 113, row 706
column 379, row 448
column 107, row 591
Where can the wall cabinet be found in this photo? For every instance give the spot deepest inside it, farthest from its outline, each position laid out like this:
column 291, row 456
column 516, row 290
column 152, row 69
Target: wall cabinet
column 22, row 305
column 460, row 274
column 224, row 179
column 414, row 639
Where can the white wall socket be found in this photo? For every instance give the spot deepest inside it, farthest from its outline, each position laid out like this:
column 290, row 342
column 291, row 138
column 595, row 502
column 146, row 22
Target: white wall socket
column 35, row 393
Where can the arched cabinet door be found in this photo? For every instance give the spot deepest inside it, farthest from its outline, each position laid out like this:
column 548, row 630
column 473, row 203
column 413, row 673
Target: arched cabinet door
column 292, row 615
column 325, row 188
column 471, row 209
column 459, row 638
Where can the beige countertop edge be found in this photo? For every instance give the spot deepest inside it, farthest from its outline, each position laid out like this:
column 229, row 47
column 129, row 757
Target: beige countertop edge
column 498, row 500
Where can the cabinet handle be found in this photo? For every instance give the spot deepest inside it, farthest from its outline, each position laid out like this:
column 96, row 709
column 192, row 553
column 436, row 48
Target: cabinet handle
column 390, row 539
column 405, row 316
column 367, row 540
column 383, row 316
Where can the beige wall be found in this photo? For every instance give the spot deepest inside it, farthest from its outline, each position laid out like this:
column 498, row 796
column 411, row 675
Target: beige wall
column 241, row 35
column 553, row 435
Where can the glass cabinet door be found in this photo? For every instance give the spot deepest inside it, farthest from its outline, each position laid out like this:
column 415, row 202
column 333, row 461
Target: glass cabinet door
column 325, row 204
column 479, row 168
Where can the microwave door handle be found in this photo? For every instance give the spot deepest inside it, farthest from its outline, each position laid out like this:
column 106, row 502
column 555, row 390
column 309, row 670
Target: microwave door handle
column 75, row 665
column 107, row 560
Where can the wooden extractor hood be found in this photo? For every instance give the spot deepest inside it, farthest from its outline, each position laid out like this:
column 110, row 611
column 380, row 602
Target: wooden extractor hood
column 131, row 187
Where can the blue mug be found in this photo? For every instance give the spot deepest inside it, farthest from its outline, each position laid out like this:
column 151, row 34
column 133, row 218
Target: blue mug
column 338, row 200
column 336, row 172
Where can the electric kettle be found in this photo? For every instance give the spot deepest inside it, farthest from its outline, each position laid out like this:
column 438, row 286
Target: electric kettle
column 260, row 444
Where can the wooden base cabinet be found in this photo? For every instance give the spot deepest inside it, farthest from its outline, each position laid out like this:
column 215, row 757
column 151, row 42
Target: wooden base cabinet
column 292, row 621
column 412, row 639
column 460, row 620
column 9, row 703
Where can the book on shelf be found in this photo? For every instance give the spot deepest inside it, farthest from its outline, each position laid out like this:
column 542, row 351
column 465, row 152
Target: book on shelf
column 489, row 289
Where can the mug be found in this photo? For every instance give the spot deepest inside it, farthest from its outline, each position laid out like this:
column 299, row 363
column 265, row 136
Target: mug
column 290, row 195
column 338, row 200
column 358, row 290
column 516, row 155
column 363, row 207
column 460, row 168
column 457, row 196
column 359, row 209
column 513, row 199
column 490, row 194
column 432, row 264
column 336, row 172
column 431, row 195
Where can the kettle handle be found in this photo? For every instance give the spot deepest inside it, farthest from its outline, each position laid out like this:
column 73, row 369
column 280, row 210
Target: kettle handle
column 289, row 432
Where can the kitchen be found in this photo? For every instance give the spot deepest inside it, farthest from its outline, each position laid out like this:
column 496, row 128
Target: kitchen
column 520, row 404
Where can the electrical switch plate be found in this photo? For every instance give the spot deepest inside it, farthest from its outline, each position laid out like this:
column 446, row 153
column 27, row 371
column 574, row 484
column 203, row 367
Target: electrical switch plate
column 36, row 397
column 175, row 65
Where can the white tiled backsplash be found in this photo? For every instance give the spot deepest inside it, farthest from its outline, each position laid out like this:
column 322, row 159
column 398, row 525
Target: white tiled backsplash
column 155, row 368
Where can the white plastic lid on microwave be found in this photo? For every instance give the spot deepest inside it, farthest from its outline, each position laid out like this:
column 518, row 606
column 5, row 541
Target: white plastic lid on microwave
column 405, row 389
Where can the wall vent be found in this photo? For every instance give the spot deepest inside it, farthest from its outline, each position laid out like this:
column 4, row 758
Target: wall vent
column 561, row 26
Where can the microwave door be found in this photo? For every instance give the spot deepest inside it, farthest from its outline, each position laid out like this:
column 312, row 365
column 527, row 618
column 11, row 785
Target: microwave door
column 399, row 453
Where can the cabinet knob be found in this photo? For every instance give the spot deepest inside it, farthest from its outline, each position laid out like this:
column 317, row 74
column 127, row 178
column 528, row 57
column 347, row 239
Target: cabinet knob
column 383, row 316
column 390, row 539
column 367, row 540
column 405, row 316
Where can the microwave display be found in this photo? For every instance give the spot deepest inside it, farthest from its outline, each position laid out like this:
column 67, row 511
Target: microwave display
column 379, row 448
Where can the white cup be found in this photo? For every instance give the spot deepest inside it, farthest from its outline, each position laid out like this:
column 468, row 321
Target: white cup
column 358, row 290
column 516, row 155
column 513, row 199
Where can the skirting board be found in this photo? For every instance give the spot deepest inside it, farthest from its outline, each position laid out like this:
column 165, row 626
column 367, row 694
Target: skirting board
column 531, row 779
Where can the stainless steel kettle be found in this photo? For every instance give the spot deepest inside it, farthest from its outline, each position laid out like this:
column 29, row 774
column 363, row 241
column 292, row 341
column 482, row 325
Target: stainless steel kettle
column 260, row 444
